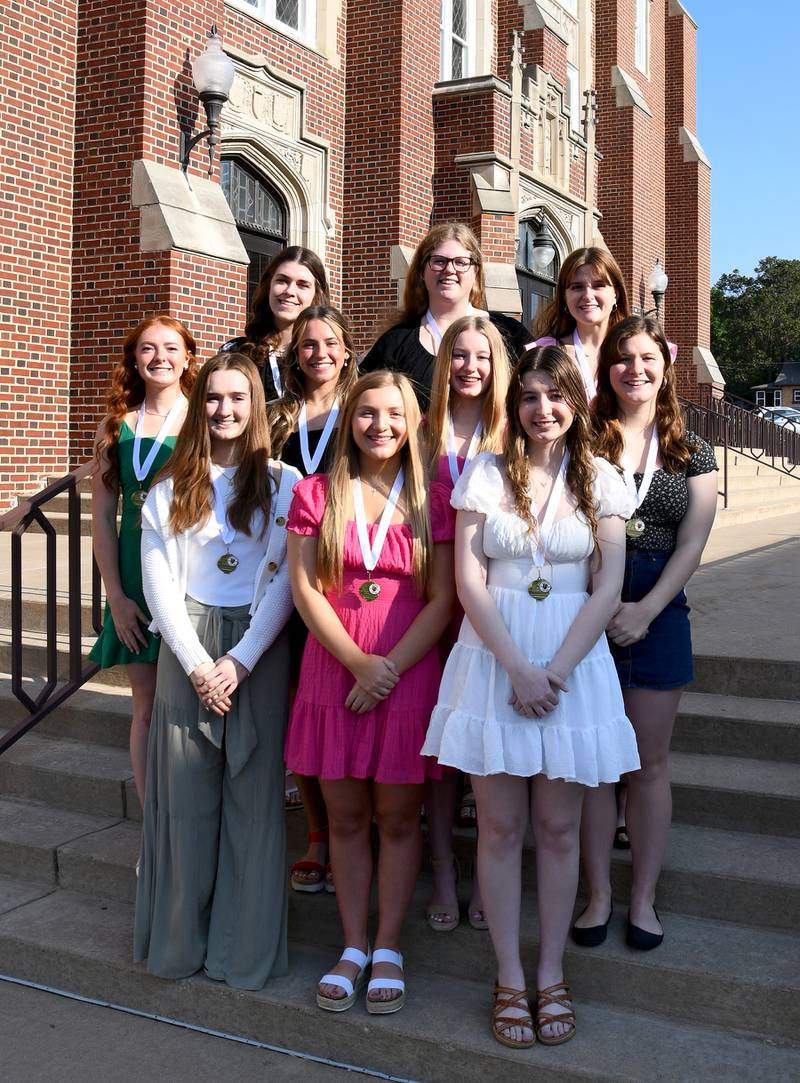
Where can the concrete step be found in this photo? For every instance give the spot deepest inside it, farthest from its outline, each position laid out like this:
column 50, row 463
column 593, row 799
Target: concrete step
column 765, row 493
column 34, row 657
column 59, row 521
column 34, row 612
column 753, row 513
column 764, row 678
column 66, row 939
column 95, row 779
column 732, row 793
column 758, row 463
column 60, row 503
column 738, row 726
column 745, row 481
column 99, row 714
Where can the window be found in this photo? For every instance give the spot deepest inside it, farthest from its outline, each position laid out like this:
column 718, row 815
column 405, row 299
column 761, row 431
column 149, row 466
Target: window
column 260, row 215
column 458, row 36
column 294, row 17
column 574, row 98
column 536, row 288
column 770, row 398
column 796, row 395
column 643, row 36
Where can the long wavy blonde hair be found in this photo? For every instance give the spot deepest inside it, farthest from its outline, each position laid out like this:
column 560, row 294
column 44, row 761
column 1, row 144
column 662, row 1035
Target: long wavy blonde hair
column 189, row 464
column 674, row 448
column 581, row 471
column 494, row 405
column 284, row 413
column 413, row 496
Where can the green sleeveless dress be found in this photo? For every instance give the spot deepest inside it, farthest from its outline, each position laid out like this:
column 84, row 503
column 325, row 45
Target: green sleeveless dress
column 108, row 650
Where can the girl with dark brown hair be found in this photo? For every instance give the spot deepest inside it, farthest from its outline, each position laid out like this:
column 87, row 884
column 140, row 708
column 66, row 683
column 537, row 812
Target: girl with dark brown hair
column 529, row 702
column 671, row 474
column 146, row 408
column 292, row 281
column 212, row 888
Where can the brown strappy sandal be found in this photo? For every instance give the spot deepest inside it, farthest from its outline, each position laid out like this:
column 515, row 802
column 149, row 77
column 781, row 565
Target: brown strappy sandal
column 501, row 1023
column 555, row 994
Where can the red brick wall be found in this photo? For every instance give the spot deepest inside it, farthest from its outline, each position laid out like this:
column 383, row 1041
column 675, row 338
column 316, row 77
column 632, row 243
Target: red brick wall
column 37, row 144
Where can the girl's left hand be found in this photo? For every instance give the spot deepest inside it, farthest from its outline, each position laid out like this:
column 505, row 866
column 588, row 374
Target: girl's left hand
column 220, row 682
column 628, row 625
column 359, row 701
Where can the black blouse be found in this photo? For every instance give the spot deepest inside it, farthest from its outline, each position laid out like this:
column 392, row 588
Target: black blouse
column 292, row 454
column 667, row 500
column 270, row 391
column 400, row 350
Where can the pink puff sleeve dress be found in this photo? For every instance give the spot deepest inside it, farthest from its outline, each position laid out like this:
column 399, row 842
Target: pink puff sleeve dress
column 326, row 739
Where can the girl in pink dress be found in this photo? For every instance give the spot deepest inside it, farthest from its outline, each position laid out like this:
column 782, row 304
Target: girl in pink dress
column 370, row 551
column 467, row 416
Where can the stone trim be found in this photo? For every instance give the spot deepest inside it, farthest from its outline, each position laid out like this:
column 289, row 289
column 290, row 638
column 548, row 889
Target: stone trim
column 628, row 91
column 173, row 215
column 481, row 84
column 692, row 150
column 708, row 371
column 677, row 8
column 537, row 16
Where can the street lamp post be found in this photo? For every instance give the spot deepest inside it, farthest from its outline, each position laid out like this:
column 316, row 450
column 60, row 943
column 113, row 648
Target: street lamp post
column 657, row 284
column 213, row 74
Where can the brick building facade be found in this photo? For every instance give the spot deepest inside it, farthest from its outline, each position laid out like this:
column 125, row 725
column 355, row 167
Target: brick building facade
column 359, row 124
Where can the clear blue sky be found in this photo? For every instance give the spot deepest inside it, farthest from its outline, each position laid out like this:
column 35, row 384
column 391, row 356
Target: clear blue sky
column 747, row 120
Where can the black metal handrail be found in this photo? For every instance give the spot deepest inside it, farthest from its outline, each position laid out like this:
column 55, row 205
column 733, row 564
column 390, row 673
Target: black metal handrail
column 17, row 521
column 726, row 424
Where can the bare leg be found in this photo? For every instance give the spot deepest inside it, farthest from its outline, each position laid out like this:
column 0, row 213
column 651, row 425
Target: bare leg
column 556, row 814
column 440, row 806
column 397, row 816
column 597, row 834
column 349, row 803
column 142, row 677
column 502, row 803
column 649, row 809
column 317, row 820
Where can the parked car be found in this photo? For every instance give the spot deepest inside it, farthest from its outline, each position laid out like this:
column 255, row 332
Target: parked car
column 785, row 416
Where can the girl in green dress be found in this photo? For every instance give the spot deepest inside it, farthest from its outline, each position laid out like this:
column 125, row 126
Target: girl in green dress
column 146, row 408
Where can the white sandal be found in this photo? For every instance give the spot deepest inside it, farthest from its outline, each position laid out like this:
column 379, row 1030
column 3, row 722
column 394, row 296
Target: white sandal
column 384, row 1007
column 341, row 1004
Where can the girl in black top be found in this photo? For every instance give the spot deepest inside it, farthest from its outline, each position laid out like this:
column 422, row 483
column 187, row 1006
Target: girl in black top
column 445, row 281
column 293, row 280
column 673, row 475
column 318, row 373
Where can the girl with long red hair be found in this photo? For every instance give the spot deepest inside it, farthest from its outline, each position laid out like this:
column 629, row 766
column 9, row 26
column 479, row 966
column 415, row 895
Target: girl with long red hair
column 145, row 411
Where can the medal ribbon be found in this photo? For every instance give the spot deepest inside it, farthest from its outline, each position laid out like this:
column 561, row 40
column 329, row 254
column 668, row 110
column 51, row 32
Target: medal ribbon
column 639, row 493
column 276, row 372
column 546, row 526
column 311, row 462
column 371, row 553
column 589, row 381
column 452, row 456
column 142, row 469
column 435, row 331
column 222, row 486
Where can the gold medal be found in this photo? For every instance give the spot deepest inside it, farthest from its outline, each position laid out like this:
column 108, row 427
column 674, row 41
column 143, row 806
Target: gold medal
column 634, row 528
column 138, row 497
column 370, row 590
column 540, row 589
column 228, row 563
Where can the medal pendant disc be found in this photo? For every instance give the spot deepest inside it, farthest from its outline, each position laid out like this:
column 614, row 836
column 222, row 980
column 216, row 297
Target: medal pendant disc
column 539, row 589
column 634, row 528
column 138, row 497
column 228, row 563
column 369, row 591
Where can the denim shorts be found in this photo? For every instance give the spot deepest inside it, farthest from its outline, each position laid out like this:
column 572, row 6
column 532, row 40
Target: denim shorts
column 663, row 659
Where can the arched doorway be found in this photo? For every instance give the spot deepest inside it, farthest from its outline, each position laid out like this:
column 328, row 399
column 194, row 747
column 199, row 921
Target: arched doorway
column 260, row 214
column 536, row 286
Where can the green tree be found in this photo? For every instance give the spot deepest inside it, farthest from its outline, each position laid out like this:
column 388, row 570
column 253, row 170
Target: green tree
column 755, row 323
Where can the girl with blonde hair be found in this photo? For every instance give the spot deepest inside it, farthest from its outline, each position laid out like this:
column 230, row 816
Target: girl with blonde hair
column 212, row 891
column 445, row 281
column 371, row 563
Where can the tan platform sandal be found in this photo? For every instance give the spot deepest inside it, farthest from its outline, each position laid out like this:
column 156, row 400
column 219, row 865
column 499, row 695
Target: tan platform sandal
column 555, row 994
column 502, row 1023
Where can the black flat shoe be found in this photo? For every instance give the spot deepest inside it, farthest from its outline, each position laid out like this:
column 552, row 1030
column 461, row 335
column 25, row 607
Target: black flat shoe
column 592, row 935
column 641, row 939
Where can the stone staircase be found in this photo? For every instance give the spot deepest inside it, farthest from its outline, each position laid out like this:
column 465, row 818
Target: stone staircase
column 755, row 491
column 719, row 1000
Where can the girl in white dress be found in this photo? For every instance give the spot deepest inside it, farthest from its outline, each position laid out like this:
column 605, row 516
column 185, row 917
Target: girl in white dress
column 530, row 703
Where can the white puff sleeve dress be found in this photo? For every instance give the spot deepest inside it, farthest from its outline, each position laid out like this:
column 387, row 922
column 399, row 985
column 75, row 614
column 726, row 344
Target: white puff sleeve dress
column 587, row 737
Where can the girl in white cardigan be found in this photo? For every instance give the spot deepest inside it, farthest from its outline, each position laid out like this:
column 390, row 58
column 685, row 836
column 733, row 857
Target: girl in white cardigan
column 211, row 890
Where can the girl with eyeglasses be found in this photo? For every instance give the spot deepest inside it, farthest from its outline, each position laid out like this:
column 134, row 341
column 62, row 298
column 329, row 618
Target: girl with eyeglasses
column 445, row 281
